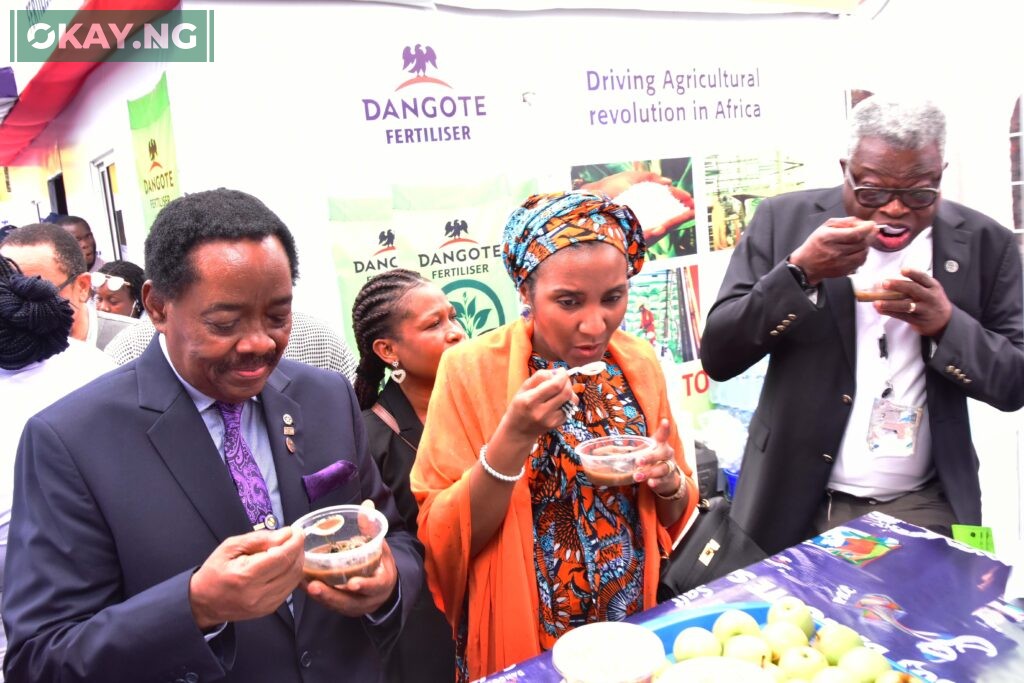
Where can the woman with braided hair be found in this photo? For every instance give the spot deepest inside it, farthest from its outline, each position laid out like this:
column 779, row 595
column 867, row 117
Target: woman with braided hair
column 34, row 318
column 403, row 323
column 39, row 364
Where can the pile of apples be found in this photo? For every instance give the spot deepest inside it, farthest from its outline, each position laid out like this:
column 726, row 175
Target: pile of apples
column 789, row 646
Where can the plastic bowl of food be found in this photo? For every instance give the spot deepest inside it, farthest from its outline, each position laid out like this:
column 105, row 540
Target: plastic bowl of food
column 342, row 542
column 612, row 460
column 608, row 652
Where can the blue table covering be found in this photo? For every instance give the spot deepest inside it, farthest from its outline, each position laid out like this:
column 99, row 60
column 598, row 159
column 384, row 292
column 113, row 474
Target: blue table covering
column 932, row 604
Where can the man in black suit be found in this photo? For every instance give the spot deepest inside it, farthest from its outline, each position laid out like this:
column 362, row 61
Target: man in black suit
column 864, row 406
column 132, row 554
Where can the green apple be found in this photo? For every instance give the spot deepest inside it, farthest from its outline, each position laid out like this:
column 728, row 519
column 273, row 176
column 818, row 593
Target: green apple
column 802, row 663
column 833, row 674
column 834, row 640
column 749, row 648
column 865, row 664
column 734, row 622
column 792, row 609
column 695, row 642
column 781, row 636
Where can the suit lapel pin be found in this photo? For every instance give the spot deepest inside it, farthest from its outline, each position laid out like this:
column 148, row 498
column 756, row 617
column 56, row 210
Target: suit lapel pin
column 289, row 431
column 287, row 419
column 952, row 266
column 289, row 444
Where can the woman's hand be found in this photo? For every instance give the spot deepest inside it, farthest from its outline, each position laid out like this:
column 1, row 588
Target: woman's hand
column 659, row 468
column 537, row 406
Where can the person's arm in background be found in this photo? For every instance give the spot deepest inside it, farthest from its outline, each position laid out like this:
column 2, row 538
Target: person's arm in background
column 615, row 184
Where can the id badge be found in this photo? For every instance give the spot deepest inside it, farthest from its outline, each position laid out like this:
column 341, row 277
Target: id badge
column 892, row 431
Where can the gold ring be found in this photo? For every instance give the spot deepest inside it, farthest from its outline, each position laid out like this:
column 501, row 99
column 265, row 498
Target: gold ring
column 913, row 307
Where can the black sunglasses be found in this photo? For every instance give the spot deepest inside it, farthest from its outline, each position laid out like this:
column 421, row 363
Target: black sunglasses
column 877, row 197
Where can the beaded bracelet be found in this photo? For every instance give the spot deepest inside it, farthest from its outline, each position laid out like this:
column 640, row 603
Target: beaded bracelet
column 495, row 473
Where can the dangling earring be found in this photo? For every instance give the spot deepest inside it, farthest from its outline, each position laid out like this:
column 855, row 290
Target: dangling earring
column 397, row 373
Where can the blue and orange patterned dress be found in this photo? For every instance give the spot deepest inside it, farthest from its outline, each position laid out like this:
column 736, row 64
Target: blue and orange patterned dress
column 588, row 547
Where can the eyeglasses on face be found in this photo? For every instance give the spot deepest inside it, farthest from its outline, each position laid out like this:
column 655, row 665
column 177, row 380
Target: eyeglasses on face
column 877, row 197
column 113, row 282
column 66, row 282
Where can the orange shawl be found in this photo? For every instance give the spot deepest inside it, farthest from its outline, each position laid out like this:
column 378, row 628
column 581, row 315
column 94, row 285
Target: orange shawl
column 465, row 408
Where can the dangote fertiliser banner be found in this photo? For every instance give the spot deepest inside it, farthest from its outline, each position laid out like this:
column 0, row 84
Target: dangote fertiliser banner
column 456, row 118
column 156, row 162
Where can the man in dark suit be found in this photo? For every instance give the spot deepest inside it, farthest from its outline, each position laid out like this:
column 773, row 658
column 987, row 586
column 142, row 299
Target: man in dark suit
column 864, row 405
column 132, row 554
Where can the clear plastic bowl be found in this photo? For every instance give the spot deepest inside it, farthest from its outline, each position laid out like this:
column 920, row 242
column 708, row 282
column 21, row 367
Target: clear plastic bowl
column 612, row 460
column 608, row 652
column 342, row 542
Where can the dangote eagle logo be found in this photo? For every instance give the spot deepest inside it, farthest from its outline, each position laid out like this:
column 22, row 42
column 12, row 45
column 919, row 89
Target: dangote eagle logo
column 416, row 59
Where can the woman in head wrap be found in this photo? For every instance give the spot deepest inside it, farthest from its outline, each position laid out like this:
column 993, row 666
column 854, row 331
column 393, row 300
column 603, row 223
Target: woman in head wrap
column 521, row 545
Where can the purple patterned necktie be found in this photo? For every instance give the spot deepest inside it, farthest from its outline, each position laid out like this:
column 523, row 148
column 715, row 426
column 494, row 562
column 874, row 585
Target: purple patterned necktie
column 244, row 470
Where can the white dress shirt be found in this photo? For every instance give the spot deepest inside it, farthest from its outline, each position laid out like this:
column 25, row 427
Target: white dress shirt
column 858, row 470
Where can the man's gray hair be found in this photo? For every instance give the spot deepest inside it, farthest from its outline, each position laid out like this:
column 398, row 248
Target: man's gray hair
column 904, row 124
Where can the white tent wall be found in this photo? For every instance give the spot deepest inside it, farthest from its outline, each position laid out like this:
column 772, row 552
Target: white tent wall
column 277, row 114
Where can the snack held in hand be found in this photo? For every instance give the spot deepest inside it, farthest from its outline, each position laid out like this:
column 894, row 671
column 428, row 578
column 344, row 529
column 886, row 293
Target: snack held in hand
column 342, row 542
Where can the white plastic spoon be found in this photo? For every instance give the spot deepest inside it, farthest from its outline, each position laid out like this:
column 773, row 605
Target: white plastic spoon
column 589, row 369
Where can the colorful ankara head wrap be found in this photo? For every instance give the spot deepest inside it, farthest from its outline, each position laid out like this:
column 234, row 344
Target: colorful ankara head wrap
column 546, row 223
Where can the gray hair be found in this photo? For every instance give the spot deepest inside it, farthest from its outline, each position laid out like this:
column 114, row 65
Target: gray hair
column 904, row 124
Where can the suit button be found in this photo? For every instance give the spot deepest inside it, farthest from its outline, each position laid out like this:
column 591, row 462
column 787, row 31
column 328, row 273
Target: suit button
column 791, row 316
column 967, row 380
column 780, row 328
column 827, row 458
column 305, row 659
column 950, row 369
column 192, row 677
column 787, row 322
column 774, row 333
column 847, row 399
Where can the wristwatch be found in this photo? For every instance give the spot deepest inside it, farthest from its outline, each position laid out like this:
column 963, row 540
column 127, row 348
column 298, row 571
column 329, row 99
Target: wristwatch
column 800, row 276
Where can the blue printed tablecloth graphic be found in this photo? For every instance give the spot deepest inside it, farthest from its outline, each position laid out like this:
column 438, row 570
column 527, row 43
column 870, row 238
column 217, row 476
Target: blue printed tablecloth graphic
column 932, row 604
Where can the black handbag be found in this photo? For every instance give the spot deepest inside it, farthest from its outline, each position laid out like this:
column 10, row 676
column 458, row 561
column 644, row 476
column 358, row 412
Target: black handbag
column 714, row 546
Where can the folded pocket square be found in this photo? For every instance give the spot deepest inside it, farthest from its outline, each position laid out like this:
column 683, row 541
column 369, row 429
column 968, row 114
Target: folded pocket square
column 319, row 484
